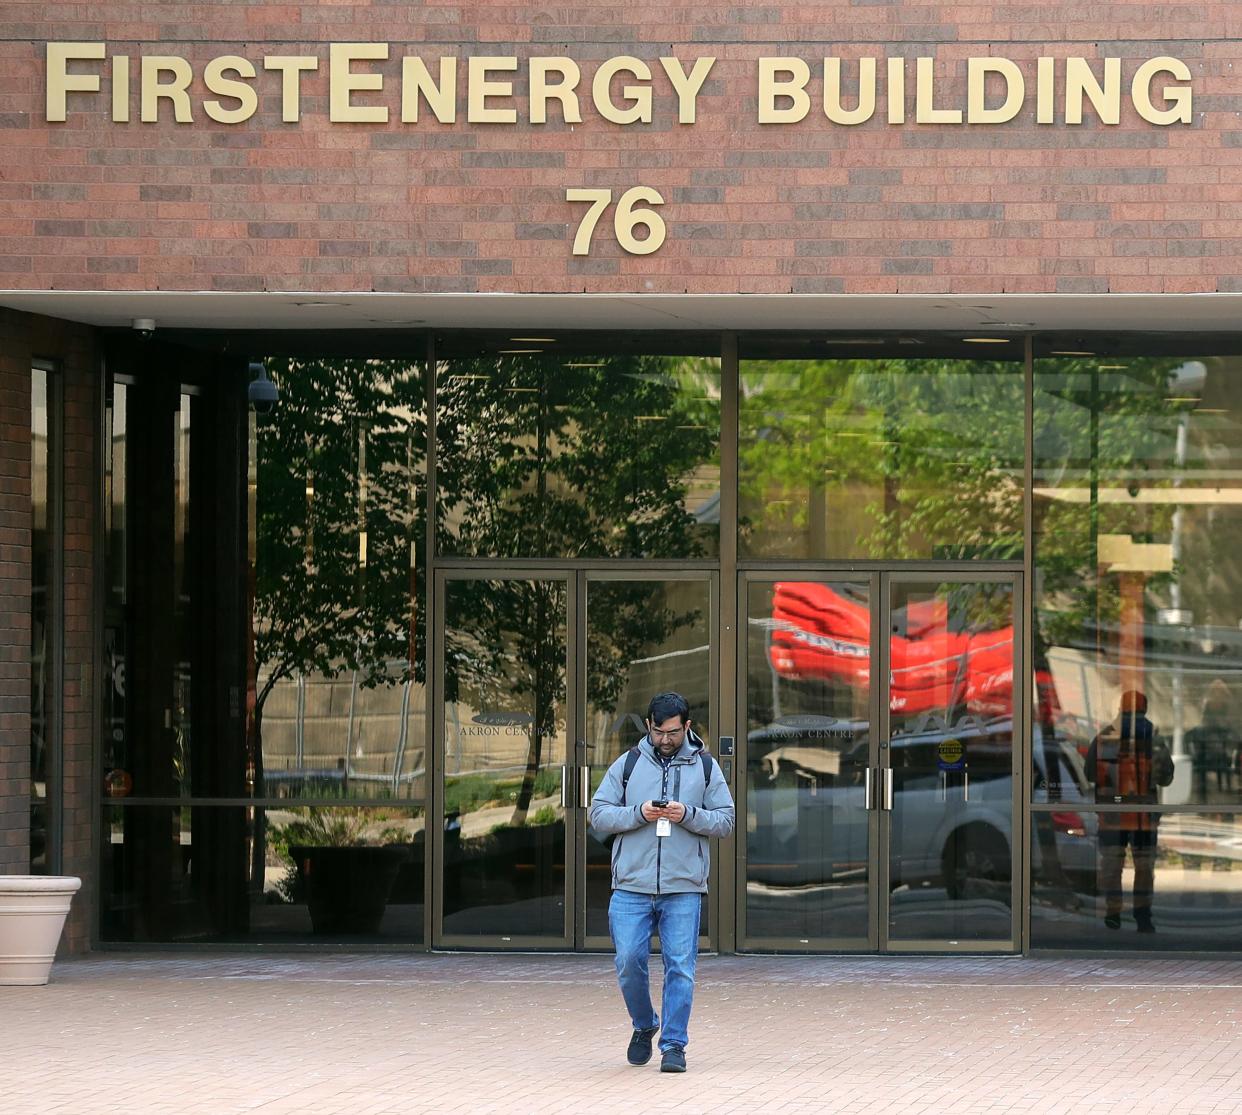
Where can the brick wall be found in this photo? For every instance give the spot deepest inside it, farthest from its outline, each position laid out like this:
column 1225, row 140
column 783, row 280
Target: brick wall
column 1014, row 207
column 23, row 338
column 14, row 597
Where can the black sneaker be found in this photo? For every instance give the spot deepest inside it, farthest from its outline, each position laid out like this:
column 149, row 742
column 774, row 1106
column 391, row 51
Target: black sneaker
column 674, row 1059
column 1113, row 921
column 639, row 1052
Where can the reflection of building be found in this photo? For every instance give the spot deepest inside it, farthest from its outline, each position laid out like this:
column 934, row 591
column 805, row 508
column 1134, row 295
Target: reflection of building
column 904, row 464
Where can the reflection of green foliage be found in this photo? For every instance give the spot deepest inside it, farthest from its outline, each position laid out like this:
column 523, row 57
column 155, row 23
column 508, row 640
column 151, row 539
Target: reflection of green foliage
column 924, row 456
column 342, row 461
column 337, row 828
column 545, row 815
column 1099, row 428
column 468, row 793
column 538, row 459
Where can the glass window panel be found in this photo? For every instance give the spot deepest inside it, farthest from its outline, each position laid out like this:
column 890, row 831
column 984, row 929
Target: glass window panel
column 888, row 459
column 505, row 744
column 43, row 638
column 951, row 665
column 585, row 456
column 186, row 872
column 643, row 638
column 183, row 587
column 808, row 695
column 1138, row 587
column 1136, row 880
column 337, row 522
column 115, row 727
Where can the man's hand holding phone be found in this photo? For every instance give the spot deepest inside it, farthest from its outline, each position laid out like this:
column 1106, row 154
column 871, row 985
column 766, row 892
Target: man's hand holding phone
column 660, row 809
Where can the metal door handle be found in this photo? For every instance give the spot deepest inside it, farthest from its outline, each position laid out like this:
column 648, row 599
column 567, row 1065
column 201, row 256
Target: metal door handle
column 888, row 788
column 585, row 775
column 965, row 786
column 564, row 778
column 944, row 786
column 867, row 798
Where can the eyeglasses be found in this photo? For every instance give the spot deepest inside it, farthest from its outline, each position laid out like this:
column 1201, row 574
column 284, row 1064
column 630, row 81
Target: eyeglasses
column 656, row 733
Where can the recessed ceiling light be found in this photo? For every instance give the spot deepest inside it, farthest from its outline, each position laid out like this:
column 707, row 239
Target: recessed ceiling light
column 528, row 340
column 986, row 340
column 1111, row 367
column 1008, row 324
column 653, row 417
column 518, row 351
column 1070, row 352
column 600, row 364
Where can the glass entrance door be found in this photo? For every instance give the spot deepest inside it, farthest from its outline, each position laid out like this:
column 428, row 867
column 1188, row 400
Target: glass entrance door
column 880, row 792
column 545, row 682
column 947, row 764
column 503, row 780
column 643, row 636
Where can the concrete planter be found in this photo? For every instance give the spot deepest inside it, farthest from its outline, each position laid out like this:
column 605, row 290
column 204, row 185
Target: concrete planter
column 33, row 909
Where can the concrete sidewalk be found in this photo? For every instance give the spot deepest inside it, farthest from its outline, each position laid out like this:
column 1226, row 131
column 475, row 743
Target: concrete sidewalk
column 376, row 1034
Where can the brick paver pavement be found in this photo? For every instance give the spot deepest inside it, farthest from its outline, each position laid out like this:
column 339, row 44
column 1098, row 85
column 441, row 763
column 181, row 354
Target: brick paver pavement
column 376, row 1034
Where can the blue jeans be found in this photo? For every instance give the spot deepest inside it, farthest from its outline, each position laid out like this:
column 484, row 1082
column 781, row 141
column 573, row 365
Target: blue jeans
column 633, row 919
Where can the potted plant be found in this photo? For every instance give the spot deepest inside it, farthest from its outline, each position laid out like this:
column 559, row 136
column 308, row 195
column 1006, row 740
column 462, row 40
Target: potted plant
column 33, row 909
column 344, row 862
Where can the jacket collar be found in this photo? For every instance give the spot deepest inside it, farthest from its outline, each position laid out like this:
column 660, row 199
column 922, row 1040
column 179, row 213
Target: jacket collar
column 690, row 748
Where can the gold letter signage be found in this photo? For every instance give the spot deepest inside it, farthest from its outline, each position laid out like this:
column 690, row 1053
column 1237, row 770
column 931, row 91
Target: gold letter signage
column 368, row 86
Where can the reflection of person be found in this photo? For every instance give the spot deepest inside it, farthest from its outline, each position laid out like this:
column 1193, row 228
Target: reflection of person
column 1211, row 743
column 1126, row 762
column 660, row 860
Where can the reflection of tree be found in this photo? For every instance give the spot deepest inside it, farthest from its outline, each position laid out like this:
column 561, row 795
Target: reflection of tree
column 925, row 456
column 337, row 517
column 1097, row 428
column 536, row 459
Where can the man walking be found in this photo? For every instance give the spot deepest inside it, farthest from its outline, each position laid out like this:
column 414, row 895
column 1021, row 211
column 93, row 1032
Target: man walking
column 662, row 799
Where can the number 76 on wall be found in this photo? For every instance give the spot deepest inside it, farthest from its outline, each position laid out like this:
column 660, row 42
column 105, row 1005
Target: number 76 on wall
column 627, row 216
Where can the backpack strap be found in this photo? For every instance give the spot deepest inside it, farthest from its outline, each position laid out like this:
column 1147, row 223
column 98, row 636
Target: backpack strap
column 631, row 761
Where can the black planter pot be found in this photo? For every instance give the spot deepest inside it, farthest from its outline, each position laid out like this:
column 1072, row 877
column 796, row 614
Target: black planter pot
column 347, row 889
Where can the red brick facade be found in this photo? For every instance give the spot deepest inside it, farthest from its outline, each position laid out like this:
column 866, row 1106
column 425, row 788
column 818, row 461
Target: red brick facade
column 24, row 338
column 808, row 207
column 812, row 207
column 14, row 597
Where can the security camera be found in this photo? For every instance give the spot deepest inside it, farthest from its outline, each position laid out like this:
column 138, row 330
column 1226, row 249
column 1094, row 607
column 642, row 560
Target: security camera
column 262, row 393
column 145, row 326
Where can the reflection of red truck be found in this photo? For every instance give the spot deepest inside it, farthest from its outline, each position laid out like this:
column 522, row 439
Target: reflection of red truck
column 820, row 632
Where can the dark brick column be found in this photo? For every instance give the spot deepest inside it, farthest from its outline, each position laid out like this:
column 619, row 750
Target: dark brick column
column 24, row 338
column 14, row 595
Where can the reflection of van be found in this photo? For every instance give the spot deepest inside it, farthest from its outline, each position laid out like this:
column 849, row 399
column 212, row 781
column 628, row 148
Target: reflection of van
column 952, row 823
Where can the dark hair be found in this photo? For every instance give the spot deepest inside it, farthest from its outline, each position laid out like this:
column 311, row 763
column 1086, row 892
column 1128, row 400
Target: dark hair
column 1133, row 701
column 664, row 705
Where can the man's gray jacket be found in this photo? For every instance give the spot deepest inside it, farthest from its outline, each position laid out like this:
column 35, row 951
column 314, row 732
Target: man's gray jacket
column 673, row 864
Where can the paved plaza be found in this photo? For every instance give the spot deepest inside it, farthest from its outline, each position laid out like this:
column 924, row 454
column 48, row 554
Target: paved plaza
column 375, row 1034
